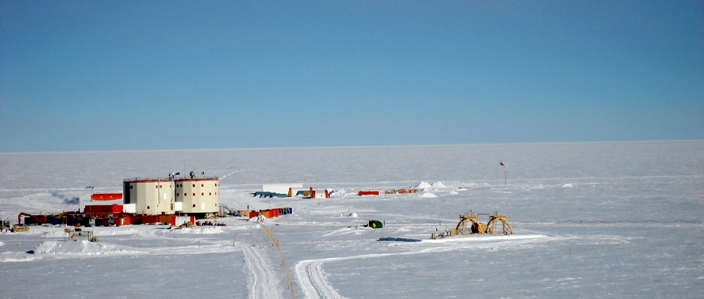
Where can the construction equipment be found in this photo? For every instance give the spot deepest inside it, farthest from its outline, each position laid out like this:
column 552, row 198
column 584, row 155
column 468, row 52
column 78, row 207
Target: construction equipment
column 19, row 228
column 4, row 225
column 506, row 227
column 477, row 227
column 78, row 234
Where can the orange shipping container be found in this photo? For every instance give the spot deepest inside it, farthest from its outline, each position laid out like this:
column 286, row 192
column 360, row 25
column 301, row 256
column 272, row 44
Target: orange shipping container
column 106, row 196
column 368, row 193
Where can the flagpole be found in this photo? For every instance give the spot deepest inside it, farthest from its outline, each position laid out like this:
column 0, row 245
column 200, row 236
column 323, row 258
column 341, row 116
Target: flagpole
column 504, row 166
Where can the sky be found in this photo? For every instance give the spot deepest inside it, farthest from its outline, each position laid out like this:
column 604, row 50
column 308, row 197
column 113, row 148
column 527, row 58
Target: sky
column 155, row 75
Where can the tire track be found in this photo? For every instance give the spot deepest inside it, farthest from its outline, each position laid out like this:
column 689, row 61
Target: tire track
column 312, row 278
column 262, row 280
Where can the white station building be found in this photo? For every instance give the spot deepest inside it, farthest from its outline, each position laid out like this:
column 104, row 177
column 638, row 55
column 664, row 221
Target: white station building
column 198, row 195
column 170, row 196
column 149, row 196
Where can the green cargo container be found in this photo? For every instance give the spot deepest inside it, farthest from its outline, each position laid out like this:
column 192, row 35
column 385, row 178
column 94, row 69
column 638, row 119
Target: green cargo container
column 375, row 224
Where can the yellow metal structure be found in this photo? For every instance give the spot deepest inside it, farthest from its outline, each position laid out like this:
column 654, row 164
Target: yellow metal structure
column 506, row 227
column 475, row 228
column 19, row 228
column 469, row 224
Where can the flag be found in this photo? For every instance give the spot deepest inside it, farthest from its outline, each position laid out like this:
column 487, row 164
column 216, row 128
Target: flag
column 501, row 163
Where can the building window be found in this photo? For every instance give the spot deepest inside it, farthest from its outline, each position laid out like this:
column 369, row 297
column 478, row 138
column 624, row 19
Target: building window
column 194, row 185
column 202, row 194
column 147, row 207
column 210, row 193
column 194, row 205
column 201, row 185
column 194, row 194
column 177, row 193
column 131, row 187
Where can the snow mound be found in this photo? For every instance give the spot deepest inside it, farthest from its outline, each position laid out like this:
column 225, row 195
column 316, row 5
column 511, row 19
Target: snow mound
column 438, row 185
column 428, row 195
column 2, row 244
column 11, row 257
column 490, row 239
column 568, row 185
column 337, row 193
column 55, row 233
column 202, row 230
column 423, row 185
column 353, row 215
column 81, row 248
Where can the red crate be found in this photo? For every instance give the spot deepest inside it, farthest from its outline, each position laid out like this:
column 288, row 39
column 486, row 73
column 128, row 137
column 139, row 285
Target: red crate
column 368, row 193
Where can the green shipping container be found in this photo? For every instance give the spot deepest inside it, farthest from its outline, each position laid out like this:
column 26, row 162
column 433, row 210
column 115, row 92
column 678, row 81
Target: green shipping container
column 375, row 224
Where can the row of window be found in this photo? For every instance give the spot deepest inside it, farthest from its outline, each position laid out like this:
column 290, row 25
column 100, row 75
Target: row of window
column 194, row 185
column 201, row 194
column 184, row 194
column 194, row 205
column 155, row 186
column 177, row 186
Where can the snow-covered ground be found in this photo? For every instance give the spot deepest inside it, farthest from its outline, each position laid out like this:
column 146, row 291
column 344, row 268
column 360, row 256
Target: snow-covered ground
column 591, row 220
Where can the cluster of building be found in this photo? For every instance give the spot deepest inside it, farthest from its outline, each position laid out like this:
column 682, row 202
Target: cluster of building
column 176, row 201
column 171, row 200
column 197, row 196
column 290, row 190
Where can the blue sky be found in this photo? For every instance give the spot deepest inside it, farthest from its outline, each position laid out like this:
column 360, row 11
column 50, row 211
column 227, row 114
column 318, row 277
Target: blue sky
column 143, row 75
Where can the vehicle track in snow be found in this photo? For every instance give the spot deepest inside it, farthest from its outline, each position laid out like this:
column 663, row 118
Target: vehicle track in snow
column 313, row 281
column 262, row 280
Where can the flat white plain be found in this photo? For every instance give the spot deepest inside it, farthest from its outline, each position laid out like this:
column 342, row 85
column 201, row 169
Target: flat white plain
column 597, row 220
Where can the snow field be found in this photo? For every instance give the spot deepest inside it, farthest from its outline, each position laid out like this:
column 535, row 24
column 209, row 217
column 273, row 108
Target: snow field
column 591, row 220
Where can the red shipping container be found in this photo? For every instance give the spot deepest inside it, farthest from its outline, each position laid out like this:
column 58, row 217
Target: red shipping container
column 368, row 193
column 165, row 219
column 253, row 214
column 103, row 210
column 149, row 219
column 106, row 196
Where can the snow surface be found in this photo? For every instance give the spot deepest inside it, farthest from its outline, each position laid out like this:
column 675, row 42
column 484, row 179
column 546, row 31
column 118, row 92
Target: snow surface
column 591, row 220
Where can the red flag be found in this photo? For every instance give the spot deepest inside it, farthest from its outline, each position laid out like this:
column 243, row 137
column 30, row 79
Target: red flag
column 501, row 163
